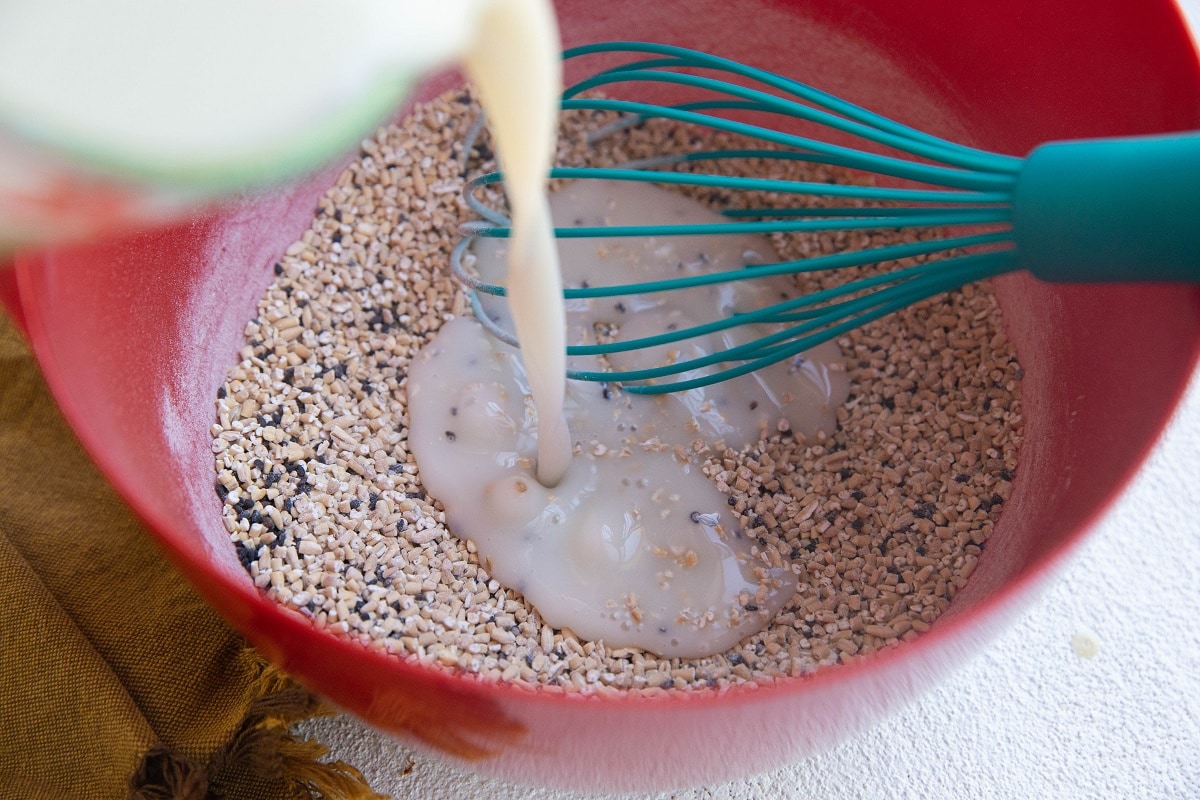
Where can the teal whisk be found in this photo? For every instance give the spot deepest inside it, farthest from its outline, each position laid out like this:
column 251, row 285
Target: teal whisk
column 1122, row 209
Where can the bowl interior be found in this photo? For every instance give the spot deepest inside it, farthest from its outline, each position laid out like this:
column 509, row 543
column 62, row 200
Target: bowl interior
column 135, row 335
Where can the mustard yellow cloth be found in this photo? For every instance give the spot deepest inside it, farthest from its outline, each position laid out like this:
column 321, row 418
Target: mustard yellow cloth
column 116, row 680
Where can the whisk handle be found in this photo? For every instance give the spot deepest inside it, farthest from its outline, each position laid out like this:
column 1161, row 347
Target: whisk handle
column 1122, row 209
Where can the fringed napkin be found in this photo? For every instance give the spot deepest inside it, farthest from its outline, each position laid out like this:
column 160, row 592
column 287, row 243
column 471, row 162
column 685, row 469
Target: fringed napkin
column 116, row 680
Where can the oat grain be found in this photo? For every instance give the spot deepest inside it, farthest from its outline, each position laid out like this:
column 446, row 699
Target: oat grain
column 882, row 521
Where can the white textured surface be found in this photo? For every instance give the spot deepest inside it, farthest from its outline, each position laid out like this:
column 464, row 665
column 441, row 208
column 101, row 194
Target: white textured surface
column 1028, row 718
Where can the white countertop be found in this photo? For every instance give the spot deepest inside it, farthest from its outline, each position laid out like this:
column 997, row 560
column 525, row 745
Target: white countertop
column 1028, row 718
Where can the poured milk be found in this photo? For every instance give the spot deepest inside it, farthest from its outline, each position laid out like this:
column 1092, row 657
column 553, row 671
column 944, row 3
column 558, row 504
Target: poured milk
column 633, row 545
column 520, row 87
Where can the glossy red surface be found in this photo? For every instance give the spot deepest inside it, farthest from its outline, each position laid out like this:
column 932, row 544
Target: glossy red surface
column 134, row 336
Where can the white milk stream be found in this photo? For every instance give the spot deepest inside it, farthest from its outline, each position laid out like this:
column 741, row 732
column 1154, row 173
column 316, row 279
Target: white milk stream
column 634, row 545
column 520, row 87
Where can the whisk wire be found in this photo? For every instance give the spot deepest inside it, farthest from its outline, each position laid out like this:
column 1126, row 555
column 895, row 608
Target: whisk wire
column 816, row 305
column 787, row 155
column 959, row 188
column 958, row 216
column 880, row 164
column 792, row 342
column 679, row 57
column 807, row 188
column 843, row 260
column 764, row 102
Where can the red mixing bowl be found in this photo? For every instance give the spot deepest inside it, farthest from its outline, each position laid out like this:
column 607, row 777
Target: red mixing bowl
column 134, row 336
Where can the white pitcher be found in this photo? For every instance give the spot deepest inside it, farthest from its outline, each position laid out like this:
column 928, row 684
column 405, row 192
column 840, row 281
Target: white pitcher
column 115, row 113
